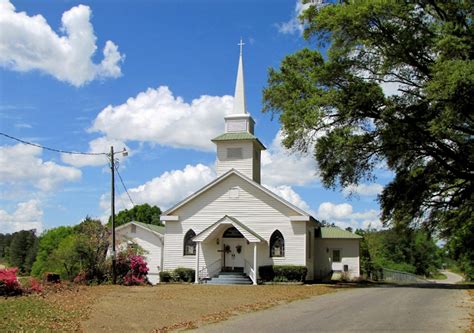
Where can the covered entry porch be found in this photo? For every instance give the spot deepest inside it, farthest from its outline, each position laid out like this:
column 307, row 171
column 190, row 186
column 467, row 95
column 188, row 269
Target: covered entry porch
column 227, row 246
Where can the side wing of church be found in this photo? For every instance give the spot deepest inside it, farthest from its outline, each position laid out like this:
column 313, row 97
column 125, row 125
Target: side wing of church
column 236, row 224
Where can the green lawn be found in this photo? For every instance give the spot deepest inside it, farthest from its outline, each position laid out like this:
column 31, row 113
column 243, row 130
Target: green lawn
column 439, row 276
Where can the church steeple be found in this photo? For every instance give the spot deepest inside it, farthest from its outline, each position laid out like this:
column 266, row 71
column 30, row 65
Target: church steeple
column 240, row 105
column 238, row 148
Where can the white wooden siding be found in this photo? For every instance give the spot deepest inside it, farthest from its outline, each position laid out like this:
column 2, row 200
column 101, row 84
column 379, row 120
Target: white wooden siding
column 349, row 256
column 244, row 164
column 254, row 208
column 150, row 242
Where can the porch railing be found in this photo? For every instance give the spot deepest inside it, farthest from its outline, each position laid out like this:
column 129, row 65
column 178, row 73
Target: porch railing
column 249, row 271
column 211, row 270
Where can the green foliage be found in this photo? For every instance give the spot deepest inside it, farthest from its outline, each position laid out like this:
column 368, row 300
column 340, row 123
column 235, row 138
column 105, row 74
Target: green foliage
column 140, row 213
column 19, row 249
column 71, row 250
column 424, row 134
column 165, row 276
column 403, row 249
column 48, row 242
column 180, row 274
column 283, row 273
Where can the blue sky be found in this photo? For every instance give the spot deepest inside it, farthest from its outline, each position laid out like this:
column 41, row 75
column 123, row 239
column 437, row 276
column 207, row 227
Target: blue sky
column 156, row 77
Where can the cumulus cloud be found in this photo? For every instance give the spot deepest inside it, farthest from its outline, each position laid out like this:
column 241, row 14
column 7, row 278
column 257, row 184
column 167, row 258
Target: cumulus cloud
column 27, row 216
column 287, row 193
column 157, row 116
column 294, row 25
column 363, row 189
column 29, row 43
column 99, row 145
column 344, row 216
column 21, row 164
column 167, row 189
column 282, row 167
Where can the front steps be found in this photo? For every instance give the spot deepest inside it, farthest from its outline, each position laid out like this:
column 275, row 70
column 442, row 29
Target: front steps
column 230, row 278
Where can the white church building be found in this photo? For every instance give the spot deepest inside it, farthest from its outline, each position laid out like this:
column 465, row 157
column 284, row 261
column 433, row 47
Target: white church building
column 236, row 224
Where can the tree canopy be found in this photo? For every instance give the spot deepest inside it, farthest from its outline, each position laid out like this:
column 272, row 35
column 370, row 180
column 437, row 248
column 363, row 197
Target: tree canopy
column 140, row 213
column 335, row 103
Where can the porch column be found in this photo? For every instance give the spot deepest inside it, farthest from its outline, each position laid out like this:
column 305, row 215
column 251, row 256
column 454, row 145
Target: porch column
column 198, row 247
column 255, row 268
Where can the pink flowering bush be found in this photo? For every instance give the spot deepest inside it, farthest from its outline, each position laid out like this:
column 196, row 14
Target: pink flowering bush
column 9, row 284
column 137, row 275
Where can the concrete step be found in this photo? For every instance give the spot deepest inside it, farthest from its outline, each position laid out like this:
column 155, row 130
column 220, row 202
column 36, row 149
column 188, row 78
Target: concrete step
column 216, row 281
column 230, row 278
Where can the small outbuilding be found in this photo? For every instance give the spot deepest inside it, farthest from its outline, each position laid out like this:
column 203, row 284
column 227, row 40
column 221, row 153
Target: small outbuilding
column 150, row 238
column 336, row 252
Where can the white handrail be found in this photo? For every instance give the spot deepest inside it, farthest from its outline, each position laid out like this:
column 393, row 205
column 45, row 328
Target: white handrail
column 210, row 270
column 250, row 270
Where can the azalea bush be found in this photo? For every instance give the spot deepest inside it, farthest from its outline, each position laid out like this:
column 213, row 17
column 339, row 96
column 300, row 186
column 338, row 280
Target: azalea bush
column 9, row 285
column 131, row 268
column 137, row 275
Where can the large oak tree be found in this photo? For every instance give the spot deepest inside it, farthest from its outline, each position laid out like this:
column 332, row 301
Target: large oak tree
column 335, row 103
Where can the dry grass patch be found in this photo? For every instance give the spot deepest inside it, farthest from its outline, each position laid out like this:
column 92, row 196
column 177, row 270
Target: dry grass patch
column 59, row 308
column 169, row 307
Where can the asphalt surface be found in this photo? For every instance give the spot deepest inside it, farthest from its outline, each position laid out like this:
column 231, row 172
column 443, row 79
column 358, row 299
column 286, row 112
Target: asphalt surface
column 434, row 308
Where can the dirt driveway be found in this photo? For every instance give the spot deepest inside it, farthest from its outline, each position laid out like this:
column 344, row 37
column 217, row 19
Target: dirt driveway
column 165, row 307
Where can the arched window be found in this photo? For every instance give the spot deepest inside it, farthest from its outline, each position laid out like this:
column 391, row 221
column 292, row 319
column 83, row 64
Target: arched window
column 277, row 244
column 189, row 245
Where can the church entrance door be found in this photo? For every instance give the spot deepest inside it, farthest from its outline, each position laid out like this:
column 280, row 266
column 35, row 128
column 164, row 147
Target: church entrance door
column 234, row 243
column 234, row 254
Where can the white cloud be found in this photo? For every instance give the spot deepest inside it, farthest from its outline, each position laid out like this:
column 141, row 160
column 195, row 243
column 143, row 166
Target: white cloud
column 287, row 193
column 29, row 43
column 294, row 25
column 99, row 145
column 344, row 216
column 165, row 190
column 21, row 164
column 364, row 189
column 27, row 216
column 159, row 117
column 283, row 167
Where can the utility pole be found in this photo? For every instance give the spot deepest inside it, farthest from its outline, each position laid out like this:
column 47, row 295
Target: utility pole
column 112, row 197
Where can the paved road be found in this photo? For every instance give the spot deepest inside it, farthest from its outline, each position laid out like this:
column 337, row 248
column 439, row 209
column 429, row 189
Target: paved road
column 377, row 309
column 453, row 278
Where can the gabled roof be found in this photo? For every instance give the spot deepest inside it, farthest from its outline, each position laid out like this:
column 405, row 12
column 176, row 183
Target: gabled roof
column 156, row 229
column 337, row 233
column 238, row 136
column 248, row 180
column 249, row 234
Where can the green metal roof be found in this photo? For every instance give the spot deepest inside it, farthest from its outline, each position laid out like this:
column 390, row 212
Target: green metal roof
column 337, row 233
column 235, row 136
column 238, row 136
column 156, row 228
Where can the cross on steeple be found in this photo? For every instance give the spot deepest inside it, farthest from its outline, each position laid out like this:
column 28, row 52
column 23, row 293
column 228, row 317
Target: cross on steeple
column 241, row 44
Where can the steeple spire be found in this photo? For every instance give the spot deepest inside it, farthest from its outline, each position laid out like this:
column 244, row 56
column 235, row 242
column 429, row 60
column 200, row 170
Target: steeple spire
column 240, row 106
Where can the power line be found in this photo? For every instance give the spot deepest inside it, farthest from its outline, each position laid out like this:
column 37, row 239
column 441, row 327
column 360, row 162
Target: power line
column 49, row 148
column 124, row 187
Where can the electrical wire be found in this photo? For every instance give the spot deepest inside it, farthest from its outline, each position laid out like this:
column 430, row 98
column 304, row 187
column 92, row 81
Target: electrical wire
column 49, row 148
column 124, row 187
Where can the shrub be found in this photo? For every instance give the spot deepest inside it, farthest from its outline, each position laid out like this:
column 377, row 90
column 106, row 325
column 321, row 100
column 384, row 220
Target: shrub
column 266, row 273
column 9, row 285
column 138, row 271
column 32, row 286
column 182, row 274
column 165, row 276
column 283, row 273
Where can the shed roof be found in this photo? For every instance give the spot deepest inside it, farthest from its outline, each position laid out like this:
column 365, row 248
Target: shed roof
column 156, row 228
column 337, row 233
